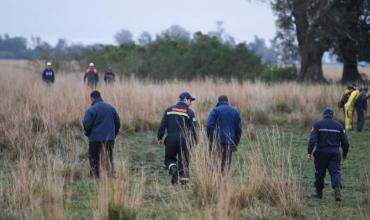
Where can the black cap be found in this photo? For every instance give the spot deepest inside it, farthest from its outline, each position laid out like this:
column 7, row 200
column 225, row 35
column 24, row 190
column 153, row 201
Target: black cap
column 328, row 111
column 187, row 95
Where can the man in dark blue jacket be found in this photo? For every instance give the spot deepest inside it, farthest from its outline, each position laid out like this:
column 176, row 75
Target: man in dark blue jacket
column 101, row 124
column 327, row 135
column 224, row 130
column 48, row 74
column 179, row 122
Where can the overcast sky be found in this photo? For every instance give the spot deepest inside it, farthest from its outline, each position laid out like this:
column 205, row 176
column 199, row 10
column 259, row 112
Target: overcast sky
column 96, row 21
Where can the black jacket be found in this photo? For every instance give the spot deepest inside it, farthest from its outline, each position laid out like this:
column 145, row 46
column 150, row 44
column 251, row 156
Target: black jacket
column 179, row 122
column 328, row 134
column 48, row 75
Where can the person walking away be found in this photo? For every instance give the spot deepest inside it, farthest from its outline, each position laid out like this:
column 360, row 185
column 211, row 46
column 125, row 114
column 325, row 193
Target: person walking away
column 224, row 130
column 327, row 135
column 48, row 75
column 91, row 76
column 349, row 109
column 180, row 124
column 361, row 107
column 109, row 76
column 101, row 124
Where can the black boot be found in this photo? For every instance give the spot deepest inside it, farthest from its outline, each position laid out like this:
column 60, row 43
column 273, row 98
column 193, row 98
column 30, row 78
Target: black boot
column 317, row 194
column 174, row 173
column 337, row 194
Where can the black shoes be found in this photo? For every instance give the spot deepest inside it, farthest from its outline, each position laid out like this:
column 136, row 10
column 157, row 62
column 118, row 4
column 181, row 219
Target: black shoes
column 174, row 173
column 174, row 178
column 337, row 194
column 317, row 195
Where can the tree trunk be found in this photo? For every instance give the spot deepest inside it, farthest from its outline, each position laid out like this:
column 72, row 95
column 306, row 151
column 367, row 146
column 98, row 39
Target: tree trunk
column 311, row 66
column 349, row 58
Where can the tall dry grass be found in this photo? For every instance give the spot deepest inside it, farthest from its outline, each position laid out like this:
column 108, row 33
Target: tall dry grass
column 41, row 111
column 263, row 179
column 120, row 197
column 40, row 131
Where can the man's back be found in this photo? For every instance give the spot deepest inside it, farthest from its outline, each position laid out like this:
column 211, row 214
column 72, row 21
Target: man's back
column 178, row 121
column 48, row 75
column 101, row 122
column 328, row 134
column 225, row 123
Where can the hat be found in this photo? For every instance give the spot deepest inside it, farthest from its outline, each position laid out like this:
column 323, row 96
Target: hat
column 91, row 64
column 187, row 95
column 328, row 111
column 48, row 64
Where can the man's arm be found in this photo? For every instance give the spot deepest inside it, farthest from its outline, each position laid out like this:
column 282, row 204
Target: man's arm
column 53, row 76
column 211, row 124
column 312, row 141
column 238, row 129
column 162, row 127
column 193, row 125
column 88, row 122
column 85, row 76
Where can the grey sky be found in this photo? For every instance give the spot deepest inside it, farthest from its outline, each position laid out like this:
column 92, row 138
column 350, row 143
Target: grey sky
column 96, row 21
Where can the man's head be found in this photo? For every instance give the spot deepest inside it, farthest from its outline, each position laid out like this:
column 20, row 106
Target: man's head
column 91, row 65
column 351, row 86
column 186, row 97
column 48, row 64
column 94, row 95
column 328, row 112
column 223, row 98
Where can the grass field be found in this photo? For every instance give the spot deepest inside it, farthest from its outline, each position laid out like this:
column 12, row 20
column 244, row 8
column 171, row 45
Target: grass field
column 44, row 164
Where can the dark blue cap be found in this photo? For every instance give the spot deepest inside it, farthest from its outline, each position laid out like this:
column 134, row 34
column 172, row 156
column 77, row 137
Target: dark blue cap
column 328, row 111
column 187, row 95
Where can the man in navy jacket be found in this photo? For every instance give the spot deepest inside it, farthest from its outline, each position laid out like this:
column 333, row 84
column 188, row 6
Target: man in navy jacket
column 179, row 123
column 327, row 135
column 101, row 125
column 224, row 130
column 48, row 74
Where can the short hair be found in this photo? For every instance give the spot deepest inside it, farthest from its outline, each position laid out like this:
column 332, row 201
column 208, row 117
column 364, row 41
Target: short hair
column 223, row 98
column 95, row 94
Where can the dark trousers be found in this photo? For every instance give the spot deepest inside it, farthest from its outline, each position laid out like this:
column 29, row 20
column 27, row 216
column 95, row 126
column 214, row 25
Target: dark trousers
column 177, row 154
column 327, row 160
column 101, row 153
column 223, row 153
column 92, row 83
column 360, row 118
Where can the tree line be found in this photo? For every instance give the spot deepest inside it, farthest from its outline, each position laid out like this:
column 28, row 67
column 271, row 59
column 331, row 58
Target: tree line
column 173, row 54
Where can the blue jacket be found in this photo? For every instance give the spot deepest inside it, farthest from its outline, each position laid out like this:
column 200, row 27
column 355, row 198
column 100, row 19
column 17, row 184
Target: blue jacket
column 328, row 135
column 224, row 123
column 48, row 75
column 101, row 122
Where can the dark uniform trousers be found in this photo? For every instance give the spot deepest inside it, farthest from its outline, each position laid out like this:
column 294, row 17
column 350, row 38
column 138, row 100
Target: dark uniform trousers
column 327, row 159
column 177, row 154
column 360, row 118
column 101, row 153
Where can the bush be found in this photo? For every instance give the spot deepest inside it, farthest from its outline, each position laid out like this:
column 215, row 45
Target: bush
column 279, row 74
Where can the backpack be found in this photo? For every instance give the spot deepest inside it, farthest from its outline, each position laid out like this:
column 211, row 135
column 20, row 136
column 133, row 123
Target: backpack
column 344, row 99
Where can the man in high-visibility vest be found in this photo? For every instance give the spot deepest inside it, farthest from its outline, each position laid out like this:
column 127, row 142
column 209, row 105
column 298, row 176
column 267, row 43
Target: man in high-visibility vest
column 349, row 109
